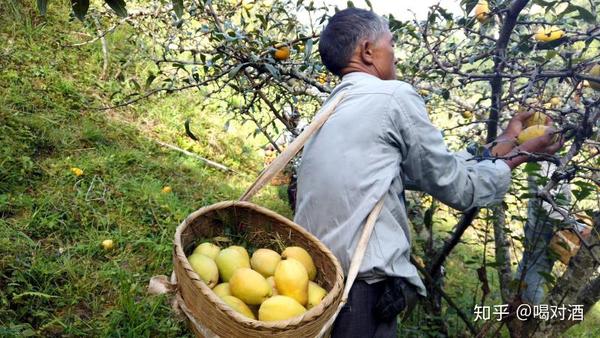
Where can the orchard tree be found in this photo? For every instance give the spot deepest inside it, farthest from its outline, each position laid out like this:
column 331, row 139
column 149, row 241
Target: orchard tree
column 257, row 63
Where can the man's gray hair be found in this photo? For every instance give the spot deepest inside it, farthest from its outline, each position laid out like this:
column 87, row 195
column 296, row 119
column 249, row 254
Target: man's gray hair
column 344, row 31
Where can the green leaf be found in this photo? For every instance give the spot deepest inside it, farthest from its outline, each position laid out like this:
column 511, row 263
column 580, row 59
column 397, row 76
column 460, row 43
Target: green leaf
column 178, row 8
column 42, row 6
column 272, row 70
column 469, row 4
column 118, row 6
column 586, row 15
column 233, row 72
column 80, row 8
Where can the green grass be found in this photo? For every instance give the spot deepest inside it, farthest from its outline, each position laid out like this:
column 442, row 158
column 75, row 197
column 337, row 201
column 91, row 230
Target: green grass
column 55, row 279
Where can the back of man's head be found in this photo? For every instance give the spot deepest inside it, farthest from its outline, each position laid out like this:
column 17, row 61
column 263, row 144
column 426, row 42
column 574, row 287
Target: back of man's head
column 343, row 33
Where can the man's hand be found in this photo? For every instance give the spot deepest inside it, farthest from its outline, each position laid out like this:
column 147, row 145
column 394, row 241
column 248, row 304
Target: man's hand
column 549, row 143
column 517, row 124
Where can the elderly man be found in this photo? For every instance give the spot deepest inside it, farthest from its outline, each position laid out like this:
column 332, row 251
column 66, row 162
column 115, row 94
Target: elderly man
column 378, row 138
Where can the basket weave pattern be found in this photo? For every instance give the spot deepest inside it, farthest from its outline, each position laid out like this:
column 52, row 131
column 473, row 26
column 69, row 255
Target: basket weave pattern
column 263, row 228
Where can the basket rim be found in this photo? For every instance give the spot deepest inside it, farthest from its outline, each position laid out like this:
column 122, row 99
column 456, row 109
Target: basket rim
column 332, row 297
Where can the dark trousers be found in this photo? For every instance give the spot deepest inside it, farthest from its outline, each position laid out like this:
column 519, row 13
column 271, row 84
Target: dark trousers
column 357, row 318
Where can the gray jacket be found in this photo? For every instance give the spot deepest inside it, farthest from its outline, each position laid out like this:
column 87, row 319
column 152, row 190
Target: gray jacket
column 378, row 138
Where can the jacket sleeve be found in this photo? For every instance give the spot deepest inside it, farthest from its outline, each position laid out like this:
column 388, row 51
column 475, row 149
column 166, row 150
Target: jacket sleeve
column 428, row 164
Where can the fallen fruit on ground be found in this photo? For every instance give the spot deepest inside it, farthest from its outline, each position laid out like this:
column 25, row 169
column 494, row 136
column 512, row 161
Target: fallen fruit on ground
column 107, row 244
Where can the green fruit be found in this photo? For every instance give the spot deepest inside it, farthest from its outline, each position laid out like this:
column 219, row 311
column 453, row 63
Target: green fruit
column 230, row 260
column 222, row 290
column 208, row 249
column 205, row 268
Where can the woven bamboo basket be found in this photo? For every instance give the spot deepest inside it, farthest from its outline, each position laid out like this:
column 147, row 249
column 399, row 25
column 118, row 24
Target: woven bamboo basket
column 208, row 315
column 262, row 228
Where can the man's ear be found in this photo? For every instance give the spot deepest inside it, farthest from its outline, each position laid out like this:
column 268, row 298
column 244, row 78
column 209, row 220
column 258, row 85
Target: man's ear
column 366, row 52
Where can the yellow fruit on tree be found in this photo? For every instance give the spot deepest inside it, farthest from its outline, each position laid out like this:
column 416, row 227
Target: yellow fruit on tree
column 549, row 34
column 271, row 281
column 230, row 260
column 315, row 294
column 206, row 268
column 238, row 306
column 467, row 114
column 249, row 286
column 282, row 53
column 538, row 118
column 291, row 280
column 208, row 249
column 265, row 261
column 279, row 308
column 482, row 11
column 531, row 133
column 555, row 101
column 222, row 290
column 595, row 72
column 303, row 257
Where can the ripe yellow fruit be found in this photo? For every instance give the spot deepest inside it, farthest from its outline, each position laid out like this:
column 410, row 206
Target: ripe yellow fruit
column 291, row 280
column 271, row 281
column 230, row 260
column 167, row 189
column 222, row 290
column 264, row 261
column 238, row 306
column 531, row 133
column 595, row 72
column 205, row 268
column 279, row 308
column 76, row 171
column 241, row 250
column 303, row 257
column 208, row 249
column 249, row 286
column 315, row 294
column 538, row 118
column 555, row 101
column 282, row 53
column 467, row 114
column 482, row 11
column 548, row 34
column 107, row 244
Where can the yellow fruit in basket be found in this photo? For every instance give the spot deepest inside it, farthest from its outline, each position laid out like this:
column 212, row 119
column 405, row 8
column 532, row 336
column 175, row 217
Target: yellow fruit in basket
column 291, row 280
column 303, row 257
column 315, row 294
column 241, row 250
column 249, row 286
column 538, row 118
column 230, row 260
column 531, row 133
column 265, row 261
column 238, row 306
column 279, row 308
column 271, row 281
column 222, row 290
column 205, row 268
column 208, row 249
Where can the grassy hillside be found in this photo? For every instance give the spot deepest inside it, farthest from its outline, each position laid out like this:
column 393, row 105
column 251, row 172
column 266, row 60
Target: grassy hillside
column 55, row 278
